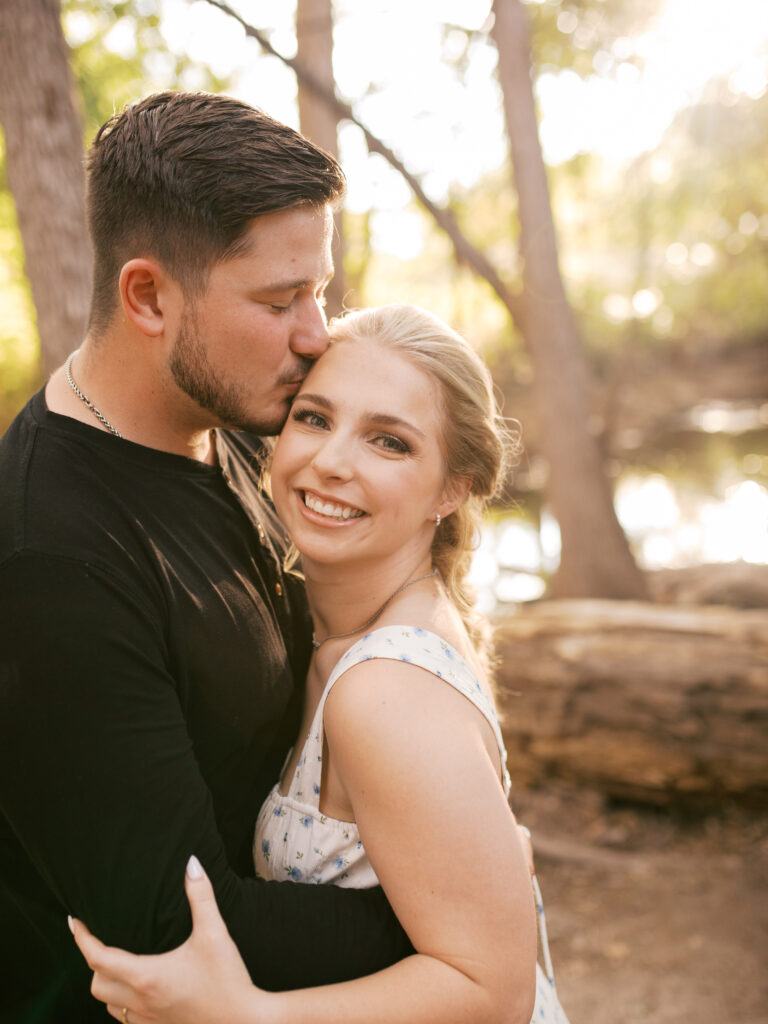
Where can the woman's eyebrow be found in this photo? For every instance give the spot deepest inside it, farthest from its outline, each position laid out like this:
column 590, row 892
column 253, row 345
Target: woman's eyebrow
column 321, row 400
column 388, row 420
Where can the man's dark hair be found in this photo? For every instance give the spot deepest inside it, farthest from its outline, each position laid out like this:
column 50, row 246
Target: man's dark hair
column 179, row 176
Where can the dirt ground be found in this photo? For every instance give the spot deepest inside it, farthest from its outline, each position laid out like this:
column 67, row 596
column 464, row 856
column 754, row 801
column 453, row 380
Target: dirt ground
column 653, row 916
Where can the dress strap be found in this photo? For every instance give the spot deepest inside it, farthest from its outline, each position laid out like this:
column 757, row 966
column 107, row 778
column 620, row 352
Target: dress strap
column 410, row 644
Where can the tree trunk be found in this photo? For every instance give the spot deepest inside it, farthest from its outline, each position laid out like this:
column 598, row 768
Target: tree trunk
column 319, row 121
column 445, row 219
column 664, row 705
column 596, row 560
column 44, row 157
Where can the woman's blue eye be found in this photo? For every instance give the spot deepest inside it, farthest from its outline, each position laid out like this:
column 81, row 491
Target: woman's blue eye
column 393, row 444
column 308, row 416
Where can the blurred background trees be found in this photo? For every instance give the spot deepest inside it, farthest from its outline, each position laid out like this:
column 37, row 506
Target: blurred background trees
column 643, row 387
column 40, row 114
column 608, row 259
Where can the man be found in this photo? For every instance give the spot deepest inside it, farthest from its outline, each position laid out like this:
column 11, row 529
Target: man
column 152, row 650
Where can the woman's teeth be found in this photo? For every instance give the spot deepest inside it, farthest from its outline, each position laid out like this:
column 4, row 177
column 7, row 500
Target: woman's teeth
column 333, row 511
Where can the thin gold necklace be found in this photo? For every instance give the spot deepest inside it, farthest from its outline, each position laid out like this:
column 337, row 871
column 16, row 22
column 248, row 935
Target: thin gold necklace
column 337, row 636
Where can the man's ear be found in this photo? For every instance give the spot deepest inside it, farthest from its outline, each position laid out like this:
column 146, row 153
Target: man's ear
column 144, row 291
column 456, row 493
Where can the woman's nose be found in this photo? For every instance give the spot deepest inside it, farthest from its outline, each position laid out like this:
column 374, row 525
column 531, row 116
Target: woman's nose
column 332, row 458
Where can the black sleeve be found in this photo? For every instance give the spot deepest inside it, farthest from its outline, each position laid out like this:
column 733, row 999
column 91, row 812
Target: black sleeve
column 100, row 785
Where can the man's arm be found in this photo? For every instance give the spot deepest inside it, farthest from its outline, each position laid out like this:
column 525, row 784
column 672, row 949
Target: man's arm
column 99, row 781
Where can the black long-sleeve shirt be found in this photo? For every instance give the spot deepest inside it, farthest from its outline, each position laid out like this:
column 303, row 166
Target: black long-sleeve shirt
column 151, row 660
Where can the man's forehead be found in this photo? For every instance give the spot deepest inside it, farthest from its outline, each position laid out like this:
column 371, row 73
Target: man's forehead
column 296, row 231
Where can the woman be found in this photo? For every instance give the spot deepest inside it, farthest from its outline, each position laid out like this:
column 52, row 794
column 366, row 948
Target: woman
column 392, row 447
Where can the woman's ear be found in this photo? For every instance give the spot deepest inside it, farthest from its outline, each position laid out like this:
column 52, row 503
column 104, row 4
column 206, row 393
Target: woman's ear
column 144, row 291
column 455, row 494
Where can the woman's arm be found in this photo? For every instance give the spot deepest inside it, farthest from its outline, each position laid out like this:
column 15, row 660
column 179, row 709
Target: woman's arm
column 433, row 817
column 435, row 823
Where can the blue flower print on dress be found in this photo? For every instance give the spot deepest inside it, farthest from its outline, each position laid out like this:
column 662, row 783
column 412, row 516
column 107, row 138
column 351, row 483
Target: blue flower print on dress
column 404, row 657
column 321, row 849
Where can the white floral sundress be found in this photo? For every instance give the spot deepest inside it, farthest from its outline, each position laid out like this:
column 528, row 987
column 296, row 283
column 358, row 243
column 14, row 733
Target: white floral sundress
column 295, row 842
column 293, row 839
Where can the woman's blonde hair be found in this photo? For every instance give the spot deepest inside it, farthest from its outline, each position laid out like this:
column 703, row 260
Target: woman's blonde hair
column 477, row 444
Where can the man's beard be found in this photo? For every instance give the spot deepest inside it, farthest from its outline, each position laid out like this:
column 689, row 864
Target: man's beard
column 196, row 377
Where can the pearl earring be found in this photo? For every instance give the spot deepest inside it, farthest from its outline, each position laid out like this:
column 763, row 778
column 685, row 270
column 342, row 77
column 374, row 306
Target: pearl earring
column 438, row 517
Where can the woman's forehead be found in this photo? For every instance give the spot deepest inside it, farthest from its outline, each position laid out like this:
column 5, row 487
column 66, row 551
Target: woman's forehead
column 371, row 377
column 366, row 364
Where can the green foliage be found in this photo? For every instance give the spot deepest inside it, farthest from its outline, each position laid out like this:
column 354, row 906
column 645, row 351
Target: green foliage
column 20, row 373
column 587, row 35
column 117, row 55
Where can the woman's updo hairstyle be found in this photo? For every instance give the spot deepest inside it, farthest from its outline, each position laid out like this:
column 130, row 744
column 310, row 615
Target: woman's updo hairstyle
column 476, row 442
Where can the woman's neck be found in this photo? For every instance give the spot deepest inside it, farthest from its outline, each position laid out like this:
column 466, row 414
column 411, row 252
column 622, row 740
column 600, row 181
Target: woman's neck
column 346, row 599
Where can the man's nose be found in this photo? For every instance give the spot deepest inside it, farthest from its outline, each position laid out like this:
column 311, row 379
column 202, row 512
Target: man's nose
column 310, row 337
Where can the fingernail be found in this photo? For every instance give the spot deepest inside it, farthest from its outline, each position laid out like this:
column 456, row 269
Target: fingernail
column 71, row 923
column 194, row 868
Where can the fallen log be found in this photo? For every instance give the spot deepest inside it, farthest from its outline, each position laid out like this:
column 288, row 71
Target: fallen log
column 658, row 704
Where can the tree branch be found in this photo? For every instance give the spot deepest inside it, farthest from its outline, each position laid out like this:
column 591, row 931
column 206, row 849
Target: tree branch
column 466, row 253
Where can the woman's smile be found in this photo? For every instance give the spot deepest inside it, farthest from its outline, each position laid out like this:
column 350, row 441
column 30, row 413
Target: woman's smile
column 325, row 508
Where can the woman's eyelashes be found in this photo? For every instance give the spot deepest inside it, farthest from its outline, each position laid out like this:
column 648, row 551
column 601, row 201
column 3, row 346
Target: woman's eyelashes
column 389, row 443
column 310, row 417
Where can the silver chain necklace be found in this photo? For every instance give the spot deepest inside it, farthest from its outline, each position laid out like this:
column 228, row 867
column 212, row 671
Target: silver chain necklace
column 88, row 402
column 337, row 636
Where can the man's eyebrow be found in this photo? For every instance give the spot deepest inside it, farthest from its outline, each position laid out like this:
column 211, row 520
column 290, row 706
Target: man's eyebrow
column 384, row 418
column 290, row 286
